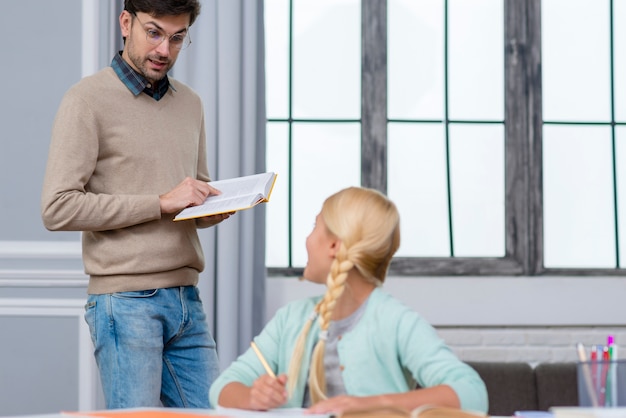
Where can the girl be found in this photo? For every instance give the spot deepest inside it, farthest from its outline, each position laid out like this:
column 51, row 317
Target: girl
column 355, row 346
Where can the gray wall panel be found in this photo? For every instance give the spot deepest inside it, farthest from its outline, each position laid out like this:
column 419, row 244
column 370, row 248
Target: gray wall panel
column 46, row 360
column 39, row 364
column 41, row 60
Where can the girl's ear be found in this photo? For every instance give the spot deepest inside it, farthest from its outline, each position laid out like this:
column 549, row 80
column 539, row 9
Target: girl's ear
column 335, row 243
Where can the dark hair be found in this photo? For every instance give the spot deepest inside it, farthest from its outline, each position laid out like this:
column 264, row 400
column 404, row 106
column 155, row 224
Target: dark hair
column 158, row 8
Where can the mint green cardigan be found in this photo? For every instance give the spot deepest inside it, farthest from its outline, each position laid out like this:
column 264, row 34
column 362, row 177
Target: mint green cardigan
column 389, row 350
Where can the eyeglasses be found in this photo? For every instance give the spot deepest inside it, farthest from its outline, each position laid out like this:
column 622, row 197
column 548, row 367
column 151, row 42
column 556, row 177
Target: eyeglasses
column 156, row 36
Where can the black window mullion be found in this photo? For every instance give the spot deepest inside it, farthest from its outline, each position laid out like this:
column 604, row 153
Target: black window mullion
column 613, row 139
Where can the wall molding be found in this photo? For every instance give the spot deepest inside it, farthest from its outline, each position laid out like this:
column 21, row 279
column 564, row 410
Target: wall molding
column 41, row 264
column 40, row 250
column 43, row 278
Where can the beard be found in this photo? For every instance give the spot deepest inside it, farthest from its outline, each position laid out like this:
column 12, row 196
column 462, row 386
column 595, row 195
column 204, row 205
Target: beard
column 153, row 66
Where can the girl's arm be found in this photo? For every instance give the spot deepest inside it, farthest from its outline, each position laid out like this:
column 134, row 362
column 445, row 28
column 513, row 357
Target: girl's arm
column 441, row 395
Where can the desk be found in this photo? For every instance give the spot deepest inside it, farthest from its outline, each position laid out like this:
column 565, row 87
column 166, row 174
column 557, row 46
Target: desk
column 184, row 413
column 178, row 413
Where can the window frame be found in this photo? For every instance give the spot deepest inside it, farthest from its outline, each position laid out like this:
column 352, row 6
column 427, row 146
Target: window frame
column 523, row 126
column 522, row 140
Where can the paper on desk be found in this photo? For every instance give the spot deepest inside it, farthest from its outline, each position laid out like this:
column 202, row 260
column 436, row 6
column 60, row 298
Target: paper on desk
column 278, row 412
column 588, row 412
column 195, row 413
column 146, row 413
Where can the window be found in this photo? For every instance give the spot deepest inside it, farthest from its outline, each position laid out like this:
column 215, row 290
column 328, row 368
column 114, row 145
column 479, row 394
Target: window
column 439, row 105
column 583, row 135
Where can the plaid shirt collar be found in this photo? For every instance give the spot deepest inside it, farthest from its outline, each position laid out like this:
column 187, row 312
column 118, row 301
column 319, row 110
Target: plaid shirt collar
column 137, row 83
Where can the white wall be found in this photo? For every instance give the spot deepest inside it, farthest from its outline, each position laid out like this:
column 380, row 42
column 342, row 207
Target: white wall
column 529, row 319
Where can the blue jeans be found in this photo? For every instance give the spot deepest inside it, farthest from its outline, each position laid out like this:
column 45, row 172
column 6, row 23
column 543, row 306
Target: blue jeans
column 153, row 348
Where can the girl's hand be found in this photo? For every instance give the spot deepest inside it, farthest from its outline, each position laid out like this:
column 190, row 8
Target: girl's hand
column 268, row 392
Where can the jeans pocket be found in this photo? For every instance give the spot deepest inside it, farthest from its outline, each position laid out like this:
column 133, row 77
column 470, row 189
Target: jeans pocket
column 136, row 294
column 90, row 317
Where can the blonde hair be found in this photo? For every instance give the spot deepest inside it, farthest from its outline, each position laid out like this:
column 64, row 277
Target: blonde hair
column 368, row 225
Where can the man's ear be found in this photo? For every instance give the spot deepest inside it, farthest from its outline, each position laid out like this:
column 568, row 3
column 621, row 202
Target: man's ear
column 125, row 23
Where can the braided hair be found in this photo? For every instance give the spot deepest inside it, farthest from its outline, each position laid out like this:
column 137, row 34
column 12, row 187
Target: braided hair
column 368, row 225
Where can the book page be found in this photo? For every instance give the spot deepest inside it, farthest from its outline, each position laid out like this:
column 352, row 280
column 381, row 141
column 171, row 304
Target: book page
column 277, row 412
column 249, row 186
column 145, row 413
column 236, row 194
column 213, row 207
column 220, row 412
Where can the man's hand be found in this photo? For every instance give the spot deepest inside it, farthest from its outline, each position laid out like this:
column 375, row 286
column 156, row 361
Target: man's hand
column 215, row 219
column 190, row 192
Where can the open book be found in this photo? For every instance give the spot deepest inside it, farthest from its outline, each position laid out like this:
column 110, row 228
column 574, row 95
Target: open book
column 237, row 194
column 425, row 411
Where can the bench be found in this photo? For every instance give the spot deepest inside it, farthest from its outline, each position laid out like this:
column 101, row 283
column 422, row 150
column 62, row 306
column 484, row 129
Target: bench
column 517, row 386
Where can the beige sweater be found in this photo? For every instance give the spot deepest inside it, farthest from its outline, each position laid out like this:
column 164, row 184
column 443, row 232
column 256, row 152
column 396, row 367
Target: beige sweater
column 111, row 155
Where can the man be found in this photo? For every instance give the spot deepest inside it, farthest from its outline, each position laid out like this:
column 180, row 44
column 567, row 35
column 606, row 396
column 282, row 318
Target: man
column 127, row 153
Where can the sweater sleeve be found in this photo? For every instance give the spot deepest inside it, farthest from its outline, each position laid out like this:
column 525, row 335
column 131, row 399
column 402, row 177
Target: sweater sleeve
column 276, row 342
column 432, row 363
column 66, row 204
column 247, row 367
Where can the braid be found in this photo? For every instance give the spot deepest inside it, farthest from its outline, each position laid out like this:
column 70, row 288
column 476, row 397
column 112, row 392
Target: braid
column 368, row 238
column 335, row 286
column 293, row 373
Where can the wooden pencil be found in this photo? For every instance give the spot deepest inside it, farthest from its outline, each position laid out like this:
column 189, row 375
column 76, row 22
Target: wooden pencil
column 268, row 369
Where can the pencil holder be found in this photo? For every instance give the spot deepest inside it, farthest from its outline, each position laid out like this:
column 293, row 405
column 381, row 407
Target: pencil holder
column 602, row 383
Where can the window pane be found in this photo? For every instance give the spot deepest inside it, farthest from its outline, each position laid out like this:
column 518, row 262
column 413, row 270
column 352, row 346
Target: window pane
column 327, row 59
column 477, row 183
column 415, row 37
column 576, row 60
column 277, row 212
column 326, row 158
column 578, row 197
column 417, row 184
column 476, row 59
column 277, row 58
column 619, row 55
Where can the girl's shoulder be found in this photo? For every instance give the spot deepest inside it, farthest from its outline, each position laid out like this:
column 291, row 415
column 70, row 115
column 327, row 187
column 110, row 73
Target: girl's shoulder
column 381, row 300
column 384, row 306
column 298, row 308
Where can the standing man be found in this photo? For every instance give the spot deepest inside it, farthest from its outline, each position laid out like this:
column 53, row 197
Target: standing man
column 127, row 153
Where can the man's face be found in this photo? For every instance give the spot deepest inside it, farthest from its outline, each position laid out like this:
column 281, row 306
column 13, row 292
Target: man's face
column 152, row 60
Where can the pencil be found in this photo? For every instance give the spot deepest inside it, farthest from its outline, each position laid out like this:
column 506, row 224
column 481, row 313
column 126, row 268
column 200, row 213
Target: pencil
column 263, row 361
